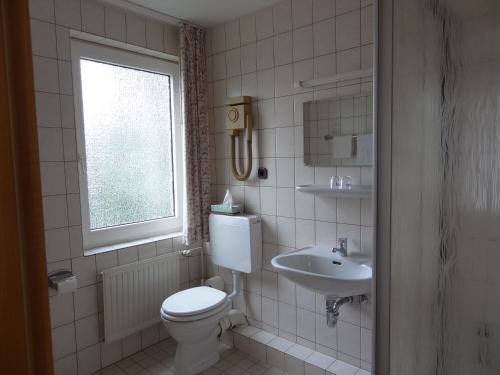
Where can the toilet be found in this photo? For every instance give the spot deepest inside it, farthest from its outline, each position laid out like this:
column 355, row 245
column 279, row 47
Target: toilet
column 192, row 316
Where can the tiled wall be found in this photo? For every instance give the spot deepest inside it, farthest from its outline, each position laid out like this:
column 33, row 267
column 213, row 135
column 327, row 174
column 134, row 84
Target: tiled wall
column 261, row 55
column 76, row 318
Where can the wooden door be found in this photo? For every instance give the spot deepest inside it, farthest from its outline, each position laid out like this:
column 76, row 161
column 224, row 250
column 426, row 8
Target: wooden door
column 25, row 342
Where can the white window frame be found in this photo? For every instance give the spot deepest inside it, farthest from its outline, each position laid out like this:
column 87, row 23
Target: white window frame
column 128, row 234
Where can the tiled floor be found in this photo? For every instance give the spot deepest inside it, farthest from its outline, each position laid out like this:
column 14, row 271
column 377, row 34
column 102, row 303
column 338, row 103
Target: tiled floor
column 158, row 360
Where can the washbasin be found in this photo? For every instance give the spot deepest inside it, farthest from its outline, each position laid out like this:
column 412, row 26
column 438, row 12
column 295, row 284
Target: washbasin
column 319, row 269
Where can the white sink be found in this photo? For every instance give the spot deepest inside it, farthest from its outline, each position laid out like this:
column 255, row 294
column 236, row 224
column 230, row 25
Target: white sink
column 318, row 269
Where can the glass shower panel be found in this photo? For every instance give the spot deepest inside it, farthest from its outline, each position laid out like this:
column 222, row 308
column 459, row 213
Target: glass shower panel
column 445, row 239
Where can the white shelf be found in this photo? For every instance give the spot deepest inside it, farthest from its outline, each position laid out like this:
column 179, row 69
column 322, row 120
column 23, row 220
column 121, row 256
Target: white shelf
column 355, row 192
column 335, row 78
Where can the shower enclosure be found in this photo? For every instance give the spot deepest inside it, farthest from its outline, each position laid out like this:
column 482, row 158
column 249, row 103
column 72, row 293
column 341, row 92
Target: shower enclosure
column 438, row 160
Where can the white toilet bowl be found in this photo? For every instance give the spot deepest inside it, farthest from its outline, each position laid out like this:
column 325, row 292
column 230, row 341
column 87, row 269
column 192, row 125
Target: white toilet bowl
column 191, row 317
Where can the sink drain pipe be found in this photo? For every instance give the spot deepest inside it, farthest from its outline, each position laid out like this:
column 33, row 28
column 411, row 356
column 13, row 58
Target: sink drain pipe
column 333, row 306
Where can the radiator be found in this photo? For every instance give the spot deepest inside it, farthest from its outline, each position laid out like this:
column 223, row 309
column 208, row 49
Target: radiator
column 133, row 294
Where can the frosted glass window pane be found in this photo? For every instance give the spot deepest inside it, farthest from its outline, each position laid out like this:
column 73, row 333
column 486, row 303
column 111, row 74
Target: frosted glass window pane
column 128, row 144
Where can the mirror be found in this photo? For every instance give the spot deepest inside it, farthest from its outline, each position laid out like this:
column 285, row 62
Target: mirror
column 339, row 131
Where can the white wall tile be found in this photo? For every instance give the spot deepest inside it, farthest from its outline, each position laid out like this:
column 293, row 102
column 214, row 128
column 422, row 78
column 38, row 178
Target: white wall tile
column 270, row 312
column 284, row 113
column 136, row 29
column 268, row 200
column 323, row 9
column 65, row 77
column 349, row 60
column 233, row 65
column 48, row 110
column 367, row 23
column 305, row 233
column 285, row 202
column 326, row 336
column 154, row 35
column 69, row 144
column 283, row 48
column 67, row 111
column 232, row 31
column 284, row 80
column 366, row 345
column 286, row 291
column 171, row 39
column 265, row 54
column 348, row 31
column 252, row 199
column 74, row 214
column 265, row 83
column 111, row 353
column 115, row 24
column 349, row 339
column 87, row 331
column 61, row 309
column 285, row 172
column 249, row 58
column 287, row 318
column 326, row 234
column 45, row 74
column 63, row 341
column 301, row 13
column 270, row 284
column 286, row 231
column 53, row 178
column 247, row 29
column 303, row 47
column 84, row 268
column 264, row 23
column 324, row 37
column 67, row 13
column 282, row 16
column 43, row 39
column 55, row 213
column 106, row 260
column 93, row 17
column 89, row 360
column 85, row 301
column 306, row 324
column 42, row 10
column 147, row 250
column 349, row 211
column 76, row 241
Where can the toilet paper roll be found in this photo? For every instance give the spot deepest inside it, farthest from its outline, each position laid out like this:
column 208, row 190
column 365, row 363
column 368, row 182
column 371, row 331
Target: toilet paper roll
column 215, row 282
column 66, row 285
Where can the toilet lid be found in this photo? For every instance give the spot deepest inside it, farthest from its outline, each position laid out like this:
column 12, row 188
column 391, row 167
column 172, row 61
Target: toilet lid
column 193, row 301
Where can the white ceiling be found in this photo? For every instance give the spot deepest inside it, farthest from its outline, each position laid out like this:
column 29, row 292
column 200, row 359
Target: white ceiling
column 205, row 12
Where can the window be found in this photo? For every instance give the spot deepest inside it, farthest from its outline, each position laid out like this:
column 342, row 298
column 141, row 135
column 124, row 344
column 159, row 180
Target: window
column 129, row 144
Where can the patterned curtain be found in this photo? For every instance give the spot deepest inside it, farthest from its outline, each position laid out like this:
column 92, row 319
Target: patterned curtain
column 196, row 138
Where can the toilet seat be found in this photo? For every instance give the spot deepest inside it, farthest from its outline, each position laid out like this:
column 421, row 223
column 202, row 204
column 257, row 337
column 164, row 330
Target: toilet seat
column 194, row 304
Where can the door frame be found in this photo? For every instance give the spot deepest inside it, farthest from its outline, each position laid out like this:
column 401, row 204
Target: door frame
column 26, row 347
column 383, row 169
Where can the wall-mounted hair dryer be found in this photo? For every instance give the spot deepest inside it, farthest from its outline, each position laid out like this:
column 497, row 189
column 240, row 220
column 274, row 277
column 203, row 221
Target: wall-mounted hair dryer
column 239, row 118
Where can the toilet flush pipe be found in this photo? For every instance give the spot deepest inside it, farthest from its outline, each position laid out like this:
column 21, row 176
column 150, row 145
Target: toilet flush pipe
column 236, row 286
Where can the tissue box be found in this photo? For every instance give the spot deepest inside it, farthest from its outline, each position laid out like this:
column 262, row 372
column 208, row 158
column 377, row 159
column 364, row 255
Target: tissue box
column 226, row 209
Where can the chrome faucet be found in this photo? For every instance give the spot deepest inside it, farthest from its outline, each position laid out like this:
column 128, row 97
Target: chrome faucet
column 342, row 249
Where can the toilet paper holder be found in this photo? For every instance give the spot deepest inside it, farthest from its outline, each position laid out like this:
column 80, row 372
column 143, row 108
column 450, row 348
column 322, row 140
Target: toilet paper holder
column 55, row 277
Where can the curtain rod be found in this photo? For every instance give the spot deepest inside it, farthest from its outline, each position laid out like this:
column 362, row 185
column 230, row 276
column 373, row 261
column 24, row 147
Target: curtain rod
column 334, row 78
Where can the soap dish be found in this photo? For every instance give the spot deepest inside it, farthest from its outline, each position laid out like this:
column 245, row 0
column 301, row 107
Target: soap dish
column 225, row 209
